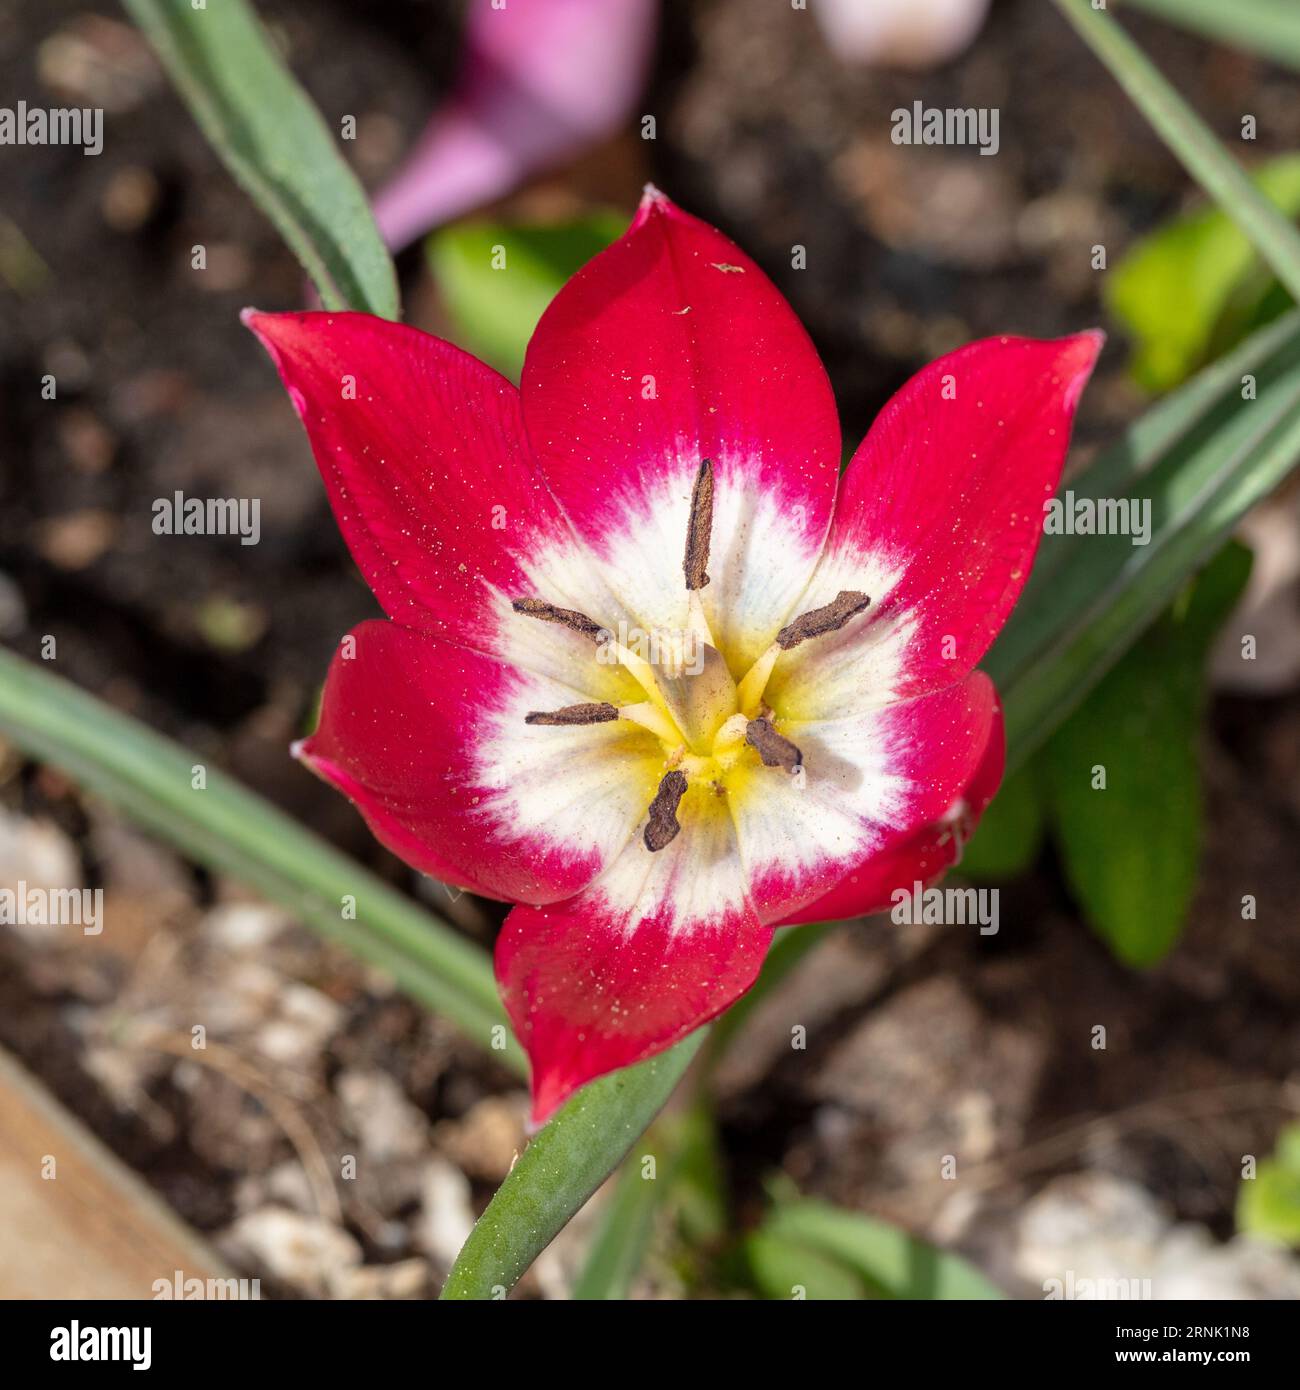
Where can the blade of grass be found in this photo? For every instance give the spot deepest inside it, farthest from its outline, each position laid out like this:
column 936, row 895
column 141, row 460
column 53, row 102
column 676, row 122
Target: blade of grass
column 627, row 1225
column 273, row 140
column 568, row 1159
column 1270, row 28
column 1216, row 388
column 234, row 831
column 1191, row 140
column 1074, row 574
column 1105, row 597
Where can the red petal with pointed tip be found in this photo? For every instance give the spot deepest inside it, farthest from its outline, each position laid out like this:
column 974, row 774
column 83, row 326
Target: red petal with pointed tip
column 923, row 857
column 429, row 741
column 867, row 782
column 668, row 348
column 423, row 455
column 658, row 945
column 938, row 519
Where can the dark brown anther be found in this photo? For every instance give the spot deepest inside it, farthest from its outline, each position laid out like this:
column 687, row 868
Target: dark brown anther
column 848, row 603
column 774, row 749
column 664, row 825
column 569, row 617
column 600, row 713
column 699, row 529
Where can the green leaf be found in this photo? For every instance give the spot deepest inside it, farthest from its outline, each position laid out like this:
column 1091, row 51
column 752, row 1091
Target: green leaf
column 496, row 280
column 234, row 831
column 626, row 1227
column 687, row 1178
column 1130, row 847
column 1270, row 28
column 567, row 1160
column 783, row 1268
column 699, row 1182
column 272, row 139
column 1190, row 139
column 1068, row 631
column 890, row 1262
column 1172, row 425
column 1268, row 1205
column 1010, row 833
column 1195, row 284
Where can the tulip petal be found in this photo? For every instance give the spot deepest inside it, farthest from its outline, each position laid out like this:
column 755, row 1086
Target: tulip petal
column 428, row 740
column 668, row 348
column 867, row 781
column 938, row 519
column 422, row 452
column 922, row 857
column 658, row 945
column 538, row 83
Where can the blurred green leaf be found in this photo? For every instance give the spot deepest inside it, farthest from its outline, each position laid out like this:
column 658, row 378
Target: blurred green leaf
column 626, row 1227
column 700, row 1188
column 1190, row 139
column 1103, row 591
column 783, row 1268
column 888, row 1262
column 1170, row 427
column 1268, row 1204
column 1130, row 847
column 1011, row 831
column 687, row 1179
column 1270, row 28
column 496, row 280
column 1191, row 288
column 273, row 140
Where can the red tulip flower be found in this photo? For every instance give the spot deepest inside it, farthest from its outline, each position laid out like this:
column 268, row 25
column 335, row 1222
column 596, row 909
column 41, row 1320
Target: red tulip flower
column 653, row 672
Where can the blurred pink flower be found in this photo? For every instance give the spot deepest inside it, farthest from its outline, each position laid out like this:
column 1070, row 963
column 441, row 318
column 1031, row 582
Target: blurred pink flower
column 899, row 33
column 539, row 81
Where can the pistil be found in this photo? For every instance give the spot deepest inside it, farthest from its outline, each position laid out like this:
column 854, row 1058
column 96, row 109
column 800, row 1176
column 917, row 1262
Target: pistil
column 698, row 692
column 651, row 716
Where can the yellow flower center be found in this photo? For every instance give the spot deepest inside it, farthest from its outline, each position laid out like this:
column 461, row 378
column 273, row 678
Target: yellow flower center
column 715, row 733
